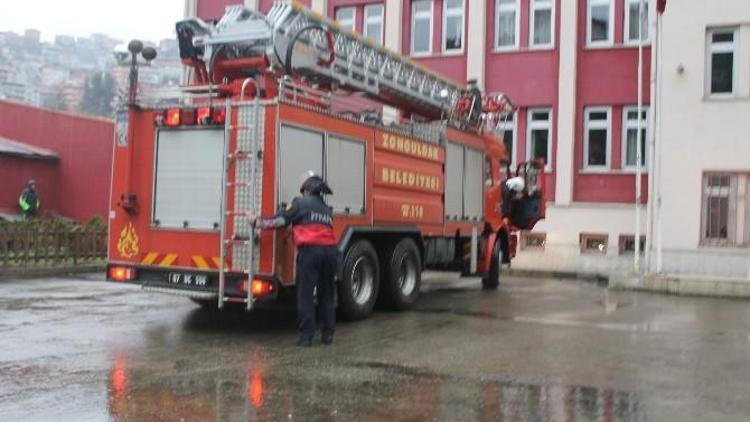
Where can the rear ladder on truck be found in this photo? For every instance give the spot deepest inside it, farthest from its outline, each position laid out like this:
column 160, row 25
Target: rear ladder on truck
column 241, row 194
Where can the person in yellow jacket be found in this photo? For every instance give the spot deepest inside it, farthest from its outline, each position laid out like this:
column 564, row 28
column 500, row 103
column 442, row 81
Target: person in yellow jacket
column 29, row 200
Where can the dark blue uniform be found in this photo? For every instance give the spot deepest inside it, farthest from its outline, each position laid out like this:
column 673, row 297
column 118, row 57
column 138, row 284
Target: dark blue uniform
column 312, row 228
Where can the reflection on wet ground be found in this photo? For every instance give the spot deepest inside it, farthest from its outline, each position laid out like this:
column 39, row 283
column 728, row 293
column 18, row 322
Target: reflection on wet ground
column 395, row 394
column 537, row 350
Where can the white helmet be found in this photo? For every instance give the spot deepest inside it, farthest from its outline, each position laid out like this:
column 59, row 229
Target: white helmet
column 515, row 183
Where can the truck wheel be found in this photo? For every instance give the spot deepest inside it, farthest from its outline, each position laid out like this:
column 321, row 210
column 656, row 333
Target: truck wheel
column 402, row 275
column 358, row 288
column 491, row 280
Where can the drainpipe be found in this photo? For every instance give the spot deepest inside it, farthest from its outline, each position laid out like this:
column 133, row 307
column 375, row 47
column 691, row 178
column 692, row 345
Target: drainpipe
column 638, row 147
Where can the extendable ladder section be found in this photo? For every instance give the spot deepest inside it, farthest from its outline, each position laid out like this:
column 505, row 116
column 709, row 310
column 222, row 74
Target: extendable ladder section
column 241, row 194
column 318, row 47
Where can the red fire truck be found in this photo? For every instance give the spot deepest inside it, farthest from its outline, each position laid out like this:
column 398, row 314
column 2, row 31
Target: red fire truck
column 275, row 96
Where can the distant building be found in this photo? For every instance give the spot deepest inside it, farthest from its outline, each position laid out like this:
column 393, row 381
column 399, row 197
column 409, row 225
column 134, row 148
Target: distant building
column 69, row 155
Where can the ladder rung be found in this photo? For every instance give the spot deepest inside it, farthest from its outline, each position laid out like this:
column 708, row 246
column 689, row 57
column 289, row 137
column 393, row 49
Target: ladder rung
column 241, row 127
column 235, row 299
column 240, row 213
column 238, row 184
column 236, row 241
column 243, row 155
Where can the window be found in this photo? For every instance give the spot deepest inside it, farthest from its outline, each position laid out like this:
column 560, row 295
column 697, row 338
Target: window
column 533, row 240
column 726, row 209
column 632, row 28
column 542, row 23
column 421, row 27
column 600, row 22
column 630, row 136
column 373, row 27
column 346, row 16
column 721, row 66
column 507, row 134
column 594, row 243
column 507, row 24
column 540, row 135
column 627, row 244
column 597, row 138
column 453, row 25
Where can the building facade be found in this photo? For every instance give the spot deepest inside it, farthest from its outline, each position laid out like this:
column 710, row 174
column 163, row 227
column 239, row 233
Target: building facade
column 69, row 155
column 703, row 179
column 571, row 67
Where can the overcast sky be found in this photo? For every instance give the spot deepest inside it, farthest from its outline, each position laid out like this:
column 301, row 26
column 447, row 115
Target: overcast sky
column 125, row 19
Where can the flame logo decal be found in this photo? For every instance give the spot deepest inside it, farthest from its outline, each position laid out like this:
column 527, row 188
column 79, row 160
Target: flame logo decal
column 128, row 244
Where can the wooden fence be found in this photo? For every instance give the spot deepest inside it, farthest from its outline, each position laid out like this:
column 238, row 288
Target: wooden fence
column 38, row 246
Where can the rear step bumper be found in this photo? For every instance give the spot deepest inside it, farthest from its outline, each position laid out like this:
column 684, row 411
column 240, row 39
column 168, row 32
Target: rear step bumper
column 192, row 283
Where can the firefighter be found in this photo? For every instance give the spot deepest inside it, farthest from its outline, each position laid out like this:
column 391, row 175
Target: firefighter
column 312, row 229
column 29, row 200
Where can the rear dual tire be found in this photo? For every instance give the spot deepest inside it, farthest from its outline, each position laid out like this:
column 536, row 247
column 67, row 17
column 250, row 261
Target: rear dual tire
column 402, row 275
column 395, row 278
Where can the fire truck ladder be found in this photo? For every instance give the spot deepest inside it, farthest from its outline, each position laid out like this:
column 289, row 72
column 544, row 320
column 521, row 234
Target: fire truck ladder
column 299, row 42
column 241, row 194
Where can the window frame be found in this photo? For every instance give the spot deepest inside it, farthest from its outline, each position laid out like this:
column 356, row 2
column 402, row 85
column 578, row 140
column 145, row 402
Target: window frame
column 738, row 203
column 527, row 235
column 611, row 26
column 516, row 7
column 722, row 48
column 453, row 12
column 532, row 125
column 414, row 17
column 513, row 127
column 370, row 20
column 353, row 18
column 598, row 124
column 622, row 241
column 548, row 4
column 626, row 25
column 603, row 238
column 634, row 126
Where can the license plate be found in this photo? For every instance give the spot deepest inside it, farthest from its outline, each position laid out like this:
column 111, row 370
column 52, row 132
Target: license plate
column 195, row 280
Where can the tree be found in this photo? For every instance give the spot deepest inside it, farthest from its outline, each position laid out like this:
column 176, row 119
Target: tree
column 98, row 94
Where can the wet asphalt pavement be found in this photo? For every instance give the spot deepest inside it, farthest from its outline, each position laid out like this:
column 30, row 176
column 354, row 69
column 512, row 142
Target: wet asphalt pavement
column 79, row 349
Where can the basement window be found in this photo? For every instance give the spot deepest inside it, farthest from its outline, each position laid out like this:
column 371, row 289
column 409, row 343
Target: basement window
column 594, row 243
column 627, row 244
column 533, row 241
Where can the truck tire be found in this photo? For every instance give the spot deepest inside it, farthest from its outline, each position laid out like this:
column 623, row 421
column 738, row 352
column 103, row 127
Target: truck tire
column 491, row 280
column 402, row 275
column 358, row 287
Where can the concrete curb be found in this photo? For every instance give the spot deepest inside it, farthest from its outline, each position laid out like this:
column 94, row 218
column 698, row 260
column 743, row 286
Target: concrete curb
column 665, row 284
column 684, row 285
column 20, row 273
column 599, row 279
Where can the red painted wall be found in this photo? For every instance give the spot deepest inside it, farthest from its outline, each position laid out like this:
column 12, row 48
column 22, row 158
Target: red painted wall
column 607, row 76
column 451, row 65
column 529, row 76
column 16, row 171
column 214, row 9
column 84, row 144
